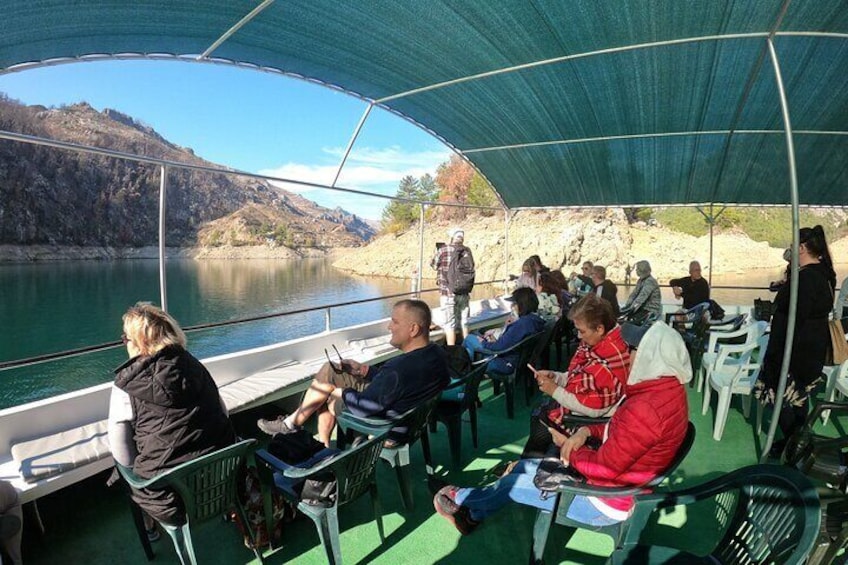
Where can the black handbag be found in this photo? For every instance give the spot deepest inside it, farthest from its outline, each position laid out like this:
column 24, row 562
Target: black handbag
column 552, row 473
column 763, row 310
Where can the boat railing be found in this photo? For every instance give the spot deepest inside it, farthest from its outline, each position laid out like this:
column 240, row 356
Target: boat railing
column 326, row 308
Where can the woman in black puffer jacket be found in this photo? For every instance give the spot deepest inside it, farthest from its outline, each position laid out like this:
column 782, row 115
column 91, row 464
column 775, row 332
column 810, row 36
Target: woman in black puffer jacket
column 165, row 408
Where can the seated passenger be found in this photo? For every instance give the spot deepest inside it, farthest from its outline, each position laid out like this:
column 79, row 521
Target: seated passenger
column 526, row 324
column 645, row 301
column 529, row 277
column 550, row 298
column 693, row 289
column 164, row 410
column 595, row 379
column 840, row 309
column 397, row 386
column 639, row 442
column 540, row 267
column 581, row 284
column 604, row 288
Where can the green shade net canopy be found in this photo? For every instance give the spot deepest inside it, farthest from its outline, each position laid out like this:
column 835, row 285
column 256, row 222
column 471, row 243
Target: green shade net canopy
column 555, row 102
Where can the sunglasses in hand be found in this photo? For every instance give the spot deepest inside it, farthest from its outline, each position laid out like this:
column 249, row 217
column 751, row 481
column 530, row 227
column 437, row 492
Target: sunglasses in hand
column 341, row 367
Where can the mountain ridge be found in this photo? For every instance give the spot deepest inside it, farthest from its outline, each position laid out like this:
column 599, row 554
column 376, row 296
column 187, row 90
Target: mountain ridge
column 55, row 197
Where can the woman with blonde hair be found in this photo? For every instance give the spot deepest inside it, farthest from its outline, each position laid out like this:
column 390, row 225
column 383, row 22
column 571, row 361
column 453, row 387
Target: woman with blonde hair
column 164, row 410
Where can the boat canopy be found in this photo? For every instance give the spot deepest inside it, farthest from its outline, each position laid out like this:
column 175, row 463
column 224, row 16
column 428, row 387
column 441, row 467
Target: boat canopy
column 558, row 103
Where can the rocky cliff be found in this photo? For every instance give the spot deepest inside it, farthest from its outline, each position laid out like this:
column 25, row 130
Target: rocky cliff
column 57, row 197
column 564, row 239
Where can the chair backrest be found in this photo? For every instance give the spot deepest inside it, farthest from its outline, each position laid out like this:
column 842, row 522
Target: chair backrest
column 681, row 454
column 208, row 485
column 416, row 422
column 413, row 420
column 816, row 455
column 470, row 384
column 530, row 350
column 767, row 513
column 354, row 469
column 524, row 348
column 543, row 342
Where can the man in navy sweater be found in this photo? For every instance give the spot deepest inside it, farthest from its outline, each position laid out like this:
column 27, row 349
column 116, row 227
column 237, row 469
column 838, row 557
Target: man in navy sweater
column 397, row 386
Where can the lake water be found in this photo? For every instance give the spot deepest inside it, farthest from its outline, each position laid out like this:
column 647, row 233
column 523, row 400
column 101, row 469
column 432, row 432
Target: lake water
column 57, row 306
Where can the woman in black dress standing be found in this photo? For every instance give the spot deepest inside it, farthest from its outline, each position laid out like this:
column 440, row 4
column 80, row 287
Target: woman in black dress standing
column 816, row 284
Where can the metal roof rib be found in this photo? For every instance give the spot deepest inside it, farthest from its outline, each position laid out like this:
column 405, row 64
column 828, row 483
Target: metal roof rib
column 555, row 103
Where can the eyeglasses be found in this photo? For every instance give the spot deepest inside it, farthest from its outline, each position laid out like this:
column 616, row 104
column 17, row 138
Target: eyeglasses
column 336, row 369
column 124, row 339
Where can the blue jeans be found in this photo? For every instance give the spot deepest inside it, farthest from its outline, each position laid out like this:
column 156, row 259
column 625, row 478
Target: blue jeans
column 518, row 487
column 474, row 343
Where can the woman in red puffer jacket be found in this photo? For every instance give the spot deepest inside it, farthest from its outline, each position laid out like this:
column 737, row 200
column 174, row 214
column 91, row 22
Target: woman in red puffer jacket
column 638, row 444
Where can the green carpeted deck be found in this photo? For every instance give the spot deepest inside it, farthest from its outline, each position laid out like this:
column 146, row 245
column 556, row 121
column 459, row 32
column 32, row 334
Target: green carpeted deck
column 89, row 523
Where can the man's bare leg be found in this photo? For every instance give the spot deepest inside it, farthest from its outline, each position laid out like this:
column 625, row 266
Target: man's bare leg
column 326, row 423
column 316, row 397
column 450, row 336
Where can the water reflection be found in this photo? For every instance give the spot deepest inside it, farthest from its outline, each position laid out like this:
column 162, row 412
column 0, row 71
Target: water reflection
column 49, row 307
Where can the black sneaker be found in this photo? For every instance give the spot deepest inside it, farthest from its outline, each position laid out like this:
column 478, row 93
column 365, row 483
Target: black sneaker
column 777, row 448
column 277, row 426
column 459, row 516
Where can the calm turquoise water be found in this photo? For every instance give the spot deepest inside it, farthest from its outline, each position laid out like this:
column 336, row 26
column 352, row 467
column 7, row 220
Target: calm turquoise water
column 49, row 307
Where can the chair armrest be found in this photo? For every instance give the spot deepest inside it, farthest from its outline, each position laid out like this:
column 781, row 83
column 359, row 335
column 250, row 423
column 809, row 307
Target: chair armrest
column 134, row 480
column 346, row 421
column 162, row 478
column 274, row 464
column 600, row 491
column 584, row 420
column 821, row 407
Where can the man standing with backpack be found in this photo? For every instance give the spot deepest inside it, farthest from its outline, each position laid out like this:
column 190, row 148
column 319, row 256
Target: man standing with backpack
column 454, row 266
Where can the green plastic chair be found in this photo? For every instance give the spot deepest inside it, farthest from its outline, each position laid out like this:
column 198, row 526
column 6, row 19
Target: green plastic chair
column 458, row 398
column 617, row 531
column 354, row 470
column 821, row 457
column 208, row 487
column 768, row 513
column 396, row 456
column 525, row 348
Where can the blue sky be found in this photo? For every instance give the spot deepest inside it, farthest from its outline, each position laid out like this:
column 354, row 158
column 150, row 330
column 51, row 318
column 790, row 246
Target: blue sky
column 253, row 121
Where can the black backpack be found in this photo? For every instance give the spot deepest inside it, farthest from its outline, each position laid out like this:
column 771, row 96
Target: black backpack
column 296, row 447
column 461, row 271
column 459, row 363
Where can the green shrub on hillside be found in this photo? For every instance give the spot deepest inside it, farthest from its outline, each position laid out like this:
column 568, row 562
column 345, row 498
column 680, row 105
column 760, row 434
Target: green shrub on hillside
column 760, row 224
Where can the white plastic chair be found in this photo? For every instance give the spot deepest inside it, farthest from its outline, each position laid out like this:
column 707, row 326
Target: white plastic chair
column 752, row 333
column 733, row 373
column 837, row 380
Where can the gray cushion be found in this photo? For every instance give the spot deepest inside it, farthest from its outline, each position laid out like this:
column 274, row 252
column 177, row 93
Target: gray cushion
column 55, row 454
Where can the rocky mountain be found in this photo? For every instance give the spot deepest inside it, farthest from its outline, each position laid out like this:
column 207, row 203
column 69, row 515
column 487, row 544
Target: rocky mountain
column 58, row 197
column 566, row 238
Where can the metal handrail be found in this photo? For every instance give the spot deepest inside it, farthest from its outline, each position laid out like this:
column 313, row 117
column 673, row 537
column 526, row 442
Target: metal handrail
column 17, row 363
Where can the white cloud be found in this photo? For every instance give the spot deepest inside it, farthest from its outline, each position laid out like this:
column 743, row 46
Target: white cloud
column 370, row 169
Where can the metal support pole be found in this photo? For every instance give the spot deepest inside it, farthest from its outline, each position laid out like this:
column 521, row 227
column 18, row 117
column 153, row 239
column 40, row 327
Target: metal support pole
column 711, row 220
column 793, row 279
column 328, row 320
column 507, row 219
column 351, row 142
column 420, row 252
column 163, row 188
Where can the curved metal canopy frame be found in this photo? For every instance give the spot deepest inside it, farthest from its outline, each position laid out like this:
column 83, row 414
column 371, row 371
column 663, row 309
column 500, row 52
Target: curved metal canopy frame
column 385, row 101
